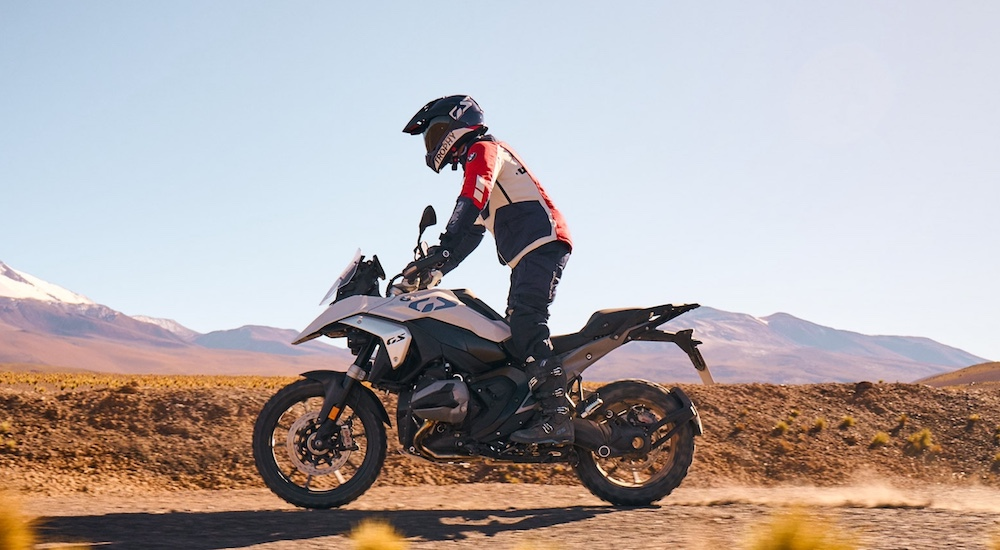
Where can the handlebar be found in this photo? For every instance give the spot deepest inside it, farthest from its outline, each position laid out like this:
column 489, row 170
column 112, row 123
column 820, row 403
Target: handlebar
column 418, row 270
column 434, row 261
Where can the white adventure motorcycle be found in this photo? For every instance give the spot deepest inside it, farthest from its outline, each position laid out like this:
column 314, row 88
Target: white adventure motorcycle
column 320, row 442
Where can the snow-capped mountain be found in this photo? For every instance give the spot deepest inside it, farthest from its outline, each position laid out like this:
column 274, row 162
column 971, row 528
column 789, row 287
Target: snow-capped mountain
column 20, row 285
column 185, row 333
column 42, row 323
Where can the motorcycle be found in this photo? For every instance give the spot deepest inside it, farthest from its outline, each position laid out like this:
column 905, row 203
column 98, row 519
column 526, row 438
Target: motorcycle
column 320, row 442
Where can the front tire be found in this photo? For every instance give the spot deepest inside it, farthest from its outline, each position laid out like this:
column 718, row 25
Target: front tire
column 638, row 480
column 299, row 473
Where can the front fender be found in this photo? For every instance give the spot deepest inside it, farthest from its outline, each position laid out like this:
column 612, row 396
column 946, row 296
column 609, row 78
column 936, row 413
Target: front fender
column 329, row 377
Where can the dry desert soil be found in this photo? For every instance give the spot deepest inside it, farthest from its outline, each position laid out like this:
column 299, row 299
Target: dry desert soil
column 165, row 462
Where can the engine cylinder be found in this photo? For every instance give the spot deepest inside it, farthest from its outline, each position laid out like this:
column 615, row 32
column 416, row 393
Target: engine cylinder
column 442, row 401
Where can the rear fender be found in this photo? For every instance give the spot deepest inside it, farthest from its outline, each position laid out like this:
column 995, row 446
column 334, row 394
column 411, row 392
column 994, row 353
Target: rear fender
column 329, row 379
column 686, row 413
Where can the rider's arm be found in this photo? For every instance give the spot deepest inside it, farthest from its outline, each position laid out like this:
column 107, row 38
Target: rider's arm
column 463, row 234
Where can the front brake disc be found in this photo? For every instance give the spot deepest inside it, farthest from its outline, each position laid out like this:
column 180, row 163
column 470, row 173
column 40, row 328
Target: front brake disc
column 303, row 453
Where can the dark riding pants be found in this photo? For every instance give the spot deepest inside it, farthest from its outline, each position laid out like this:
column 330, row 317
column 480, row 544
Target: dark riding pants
column 533, row 284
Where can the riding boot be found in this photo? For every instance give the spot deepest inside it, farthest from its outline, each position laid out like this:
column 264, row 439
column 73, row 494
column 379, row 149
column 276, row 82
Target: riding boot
column 548, row 386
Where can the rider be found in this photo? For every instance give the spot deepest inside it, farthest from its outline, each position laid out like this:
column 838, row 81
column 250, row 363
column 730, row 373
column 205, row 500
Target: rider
column 499, row 193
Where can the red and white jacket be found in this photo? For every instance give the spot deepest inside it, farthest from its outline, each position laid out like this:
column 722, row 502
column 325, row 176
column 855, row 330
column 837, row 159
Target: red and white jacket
column 512, row 204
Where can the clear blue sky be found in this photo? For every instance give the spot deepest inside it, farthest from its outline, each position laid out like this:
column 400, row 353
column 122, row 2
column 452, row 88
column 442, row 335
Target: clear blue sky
column 218, row 163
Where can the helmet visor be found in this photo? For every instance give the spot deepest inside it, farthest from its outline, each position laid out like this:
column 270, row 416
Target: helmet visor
column 436, row 129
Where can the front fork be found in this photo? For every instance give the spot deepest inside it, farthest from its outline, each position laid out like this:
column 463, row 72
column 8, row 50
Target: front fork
column 336, row 393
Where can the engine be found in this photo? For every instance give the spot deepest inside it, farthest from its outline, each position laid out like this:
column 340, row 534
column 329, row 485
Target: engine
column 441, row 401
column 437, row 404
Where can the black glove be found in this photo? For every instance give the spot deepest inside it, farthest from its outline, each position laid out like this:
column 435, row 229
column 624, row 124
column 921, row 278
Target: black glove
column 411, row 271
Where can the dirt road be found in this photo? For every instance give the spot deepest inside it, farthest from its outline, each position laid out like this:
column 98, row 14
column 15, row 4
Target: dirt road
column 516, row 516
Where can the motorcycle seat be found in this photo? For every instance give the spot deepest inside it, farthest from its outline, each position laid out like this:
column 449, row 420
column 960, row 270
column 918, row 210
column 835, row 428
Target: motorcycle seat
column 601, row 324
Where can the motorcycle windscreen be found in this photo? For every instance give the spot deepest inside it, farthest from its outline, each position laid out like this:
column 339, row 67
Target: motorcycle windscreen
column 343, row 278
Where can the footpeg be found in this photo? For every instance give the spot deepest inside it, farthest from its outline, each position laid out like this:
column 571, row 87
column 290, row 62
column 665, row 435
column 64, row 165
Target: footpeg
column 589, row 405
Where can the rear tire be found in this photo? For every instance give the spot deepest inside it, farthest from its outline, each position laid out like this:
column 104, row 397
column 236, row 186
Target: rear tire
column 299, row 474
column 634, row 480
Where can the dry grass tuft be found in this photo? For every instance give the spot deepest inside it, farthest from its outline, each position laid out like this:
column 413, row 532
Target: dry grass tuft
column 880, row 439
column 16, row 532
column 373, row 534
column 818, row 425
column 921, row 441
column 847, row 421
column 796, row 530
column 781, row 428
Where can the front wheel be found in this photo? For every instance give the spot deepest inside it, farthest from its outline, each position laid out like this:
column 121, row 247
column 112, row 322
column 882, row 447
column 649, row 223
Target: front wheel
column 305, row 474
column 638, row 479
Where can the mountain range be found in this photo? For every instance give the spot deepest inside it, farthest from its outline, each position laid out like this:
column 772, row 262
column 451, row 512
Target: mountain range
column 44, row 324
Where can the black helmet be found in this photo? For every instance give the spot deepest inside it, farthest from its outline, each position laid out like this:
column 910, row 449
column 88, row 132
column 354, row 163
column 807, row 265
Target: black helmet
column 448, row 124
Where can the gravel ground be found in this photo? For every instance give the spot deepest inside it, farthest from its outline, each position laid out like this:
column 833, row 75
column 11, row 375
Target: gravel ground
column 521, row 516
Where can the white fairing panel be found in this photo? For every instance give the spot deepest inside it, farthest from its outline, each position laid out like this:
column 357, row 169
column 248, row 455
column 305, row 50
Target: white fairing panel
column 339, row 311
column 438, row 304
column 395, row 337
column 444, row 306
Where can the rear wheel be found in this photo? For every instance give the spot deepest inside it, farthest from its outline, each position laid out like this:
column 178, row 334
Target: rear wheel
column 638, row 479
column 310, row 475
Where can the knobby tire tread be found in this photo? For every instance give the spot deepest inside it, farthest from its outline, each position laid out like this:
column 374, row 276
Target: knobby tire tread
column 367, row 410
column 590, row 474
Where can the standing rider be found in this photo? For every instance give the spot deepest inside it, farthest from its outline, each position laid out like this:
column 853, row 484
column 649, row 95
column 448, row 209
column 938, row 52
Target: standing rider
column 499, row 193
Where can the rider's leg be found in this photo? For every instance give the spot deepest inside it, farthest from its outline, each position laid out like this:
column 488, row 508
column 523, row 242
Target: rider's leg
column 533, row 286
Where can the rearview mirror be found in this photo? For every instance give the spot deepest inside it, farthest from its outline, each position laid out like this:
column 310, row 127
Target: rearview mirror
column 428, row 219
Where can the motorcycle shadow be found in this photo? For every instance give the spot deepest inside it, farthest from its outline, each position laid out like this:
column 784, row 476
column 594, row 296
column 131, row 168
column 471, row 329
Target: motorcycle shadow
column 216, row 530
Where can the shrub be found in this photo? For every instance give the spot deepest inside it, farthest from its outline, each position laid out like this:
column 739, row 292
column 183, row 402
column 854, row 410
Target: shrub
column 5, row 428
column 881, row 439
column 846, row 422
column 996, row 463
column 373, row 534
column 781, row 428
column 922, row 440
column 818, row 425
column 796, row 530
column 902, row 419
column 15, row 530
